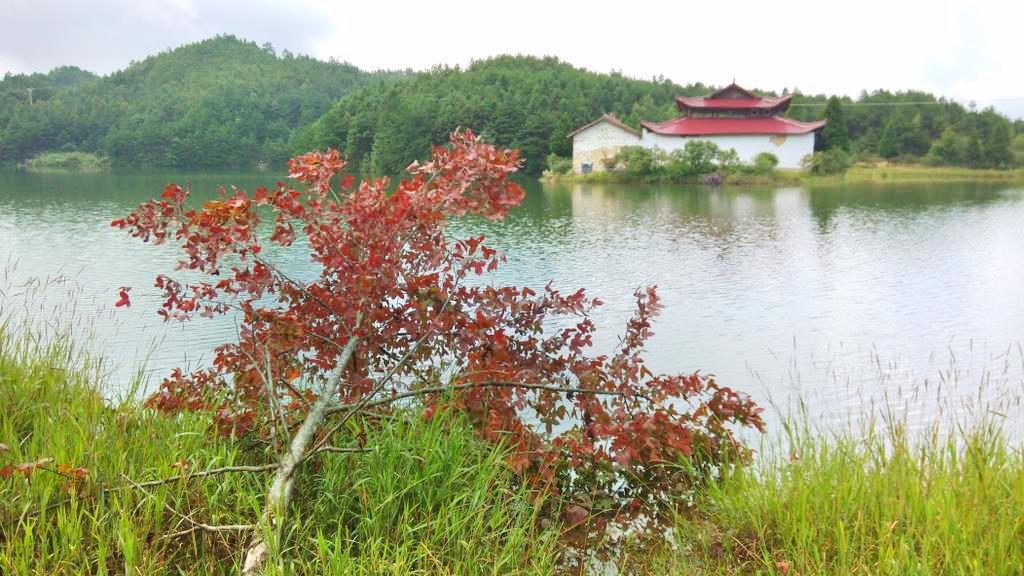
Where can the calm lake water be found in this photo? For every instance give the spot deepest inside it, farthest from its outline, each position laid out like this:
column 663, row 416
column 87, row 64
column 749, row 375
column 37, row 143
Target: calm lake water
column 849, row 298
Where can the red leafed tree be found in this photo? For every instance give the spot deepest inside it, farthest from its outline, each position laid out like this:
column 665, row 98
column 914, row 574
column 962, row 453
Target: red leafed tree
column 395, row 314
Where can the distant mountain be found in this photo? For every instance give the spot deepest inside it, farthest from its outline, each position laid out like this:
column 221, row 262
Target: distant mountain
column 518, row 101
column 219, row 103
column 225, row 102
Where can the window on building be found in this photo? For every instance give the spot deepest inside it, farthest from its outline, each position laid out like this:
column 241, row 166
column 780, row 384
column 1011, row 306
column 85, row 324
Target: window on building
column 587, row 168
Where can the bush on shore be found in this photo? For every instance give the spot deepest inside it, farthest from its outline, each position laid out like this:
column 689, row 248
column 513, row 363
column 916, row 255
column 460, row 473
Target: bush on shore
column 70, row 161
column 692, row 163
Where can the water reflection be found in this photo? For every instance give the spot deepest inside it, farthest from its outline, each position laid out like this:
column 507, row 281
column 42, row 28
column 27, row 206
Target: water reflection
column 844, row 295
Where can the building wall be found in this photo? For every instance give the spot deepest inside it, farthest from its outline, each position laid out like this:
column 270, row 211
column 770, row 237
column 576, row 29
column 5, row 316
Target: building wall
column 789, row 149
column 598, row 142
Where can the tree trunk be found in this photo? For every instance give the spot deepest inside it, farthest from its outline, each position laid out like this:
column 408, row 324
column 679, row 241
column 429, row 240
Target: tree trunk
column 280, row 493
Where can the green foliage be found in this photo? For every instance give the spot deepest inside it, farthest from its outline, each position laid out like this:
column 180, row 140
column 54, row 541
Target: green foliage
column 516, row 101
column 636, row 161
column 948, row 150
column 687, row 164
column 696, row 158
column 972, row 157
column 997, row 146
column 70, row 161
column 874, row 501
column 906, row 126
column 1017, row 150
column 764, row 163
column 835, row 134
column 835, row 161
column 559, row 165
column 431, row 497
column 222, row 102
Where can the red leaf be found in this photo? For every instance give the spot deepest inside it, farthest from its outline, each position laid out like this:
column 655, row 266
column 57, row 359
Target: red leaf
column 124, row 300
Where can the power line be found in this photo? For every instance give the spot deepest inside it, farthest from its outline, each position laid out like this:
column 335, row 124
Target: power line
column 925, row 103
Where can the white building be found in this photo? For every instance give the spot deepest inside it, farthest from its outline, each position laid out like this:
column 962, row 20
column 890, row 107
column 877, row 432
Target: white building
column 600, row 139
column 731, row 118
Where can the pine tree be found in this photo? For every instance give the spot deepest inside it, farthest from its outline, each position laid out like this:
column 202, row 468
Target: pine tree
column 972, row 152
column 836, row 133
column 889, row 143
column 997, row 145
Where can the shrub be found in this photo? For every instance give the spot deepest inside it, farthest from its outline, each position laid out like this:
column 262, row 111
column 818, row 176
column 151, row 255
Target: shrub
column 834, row 161
column 559, row 165
column 395, row 314
column 764, row 163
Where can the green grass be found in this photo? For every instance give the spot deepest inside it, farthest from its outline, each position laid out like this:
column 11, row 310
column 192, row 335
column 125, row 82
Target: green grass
column 67, row 161
column 906, row 173
column 884, row 502
column 856, row 174
column 428, row 498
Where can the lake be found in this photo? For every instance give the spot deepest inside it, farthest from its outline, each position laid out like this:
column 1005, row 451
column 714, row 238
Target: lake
column 849, row 298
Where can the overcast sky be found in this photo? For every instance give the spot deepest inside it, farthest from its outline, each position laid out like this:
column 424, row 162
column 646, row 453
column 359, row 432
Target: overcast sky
column 963, row 49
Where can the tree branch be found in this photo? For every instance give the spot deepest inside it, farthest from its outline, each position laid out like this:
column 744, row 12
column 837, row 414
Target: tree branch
column 280, row 492
column 488, row 384
column 202, row 474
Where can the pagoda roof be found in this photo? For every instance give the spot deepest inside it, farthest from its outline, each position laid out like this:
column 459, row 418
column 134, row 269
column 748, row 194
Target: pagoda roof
column 766, row 102
column 732, row 97
column 611, row 119
column 774, row 125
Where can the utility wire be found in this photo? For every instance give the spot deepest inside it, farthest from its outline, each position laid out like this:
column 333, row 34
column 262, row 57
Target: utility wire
column 925, row 103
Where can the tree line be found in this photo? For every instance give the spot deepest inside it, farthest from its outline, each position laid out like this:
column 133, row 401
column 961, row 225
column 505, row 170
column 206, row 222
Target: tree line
column 533, row 103
column 915, row 126
column 225, row 103
column 222, row 103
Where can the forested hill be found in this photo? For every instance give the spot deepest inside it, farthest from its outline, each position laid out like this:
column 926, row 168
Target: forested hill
column 519, row 101
column 222, row 102
column 225, row 102
column 918, row 126
column 532, row 103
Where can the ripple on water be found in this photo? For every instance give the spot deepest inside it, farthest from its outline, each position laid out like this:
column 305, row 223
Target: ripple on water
column 844, row 296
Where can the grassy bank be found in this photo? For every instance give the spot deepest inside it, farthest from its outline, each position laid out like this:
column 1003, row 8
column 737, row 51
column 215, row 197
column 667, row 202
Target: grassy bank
column 856, row 174
column 878, row 503
column 67, row 162
column 431, row 499
column 898, row 173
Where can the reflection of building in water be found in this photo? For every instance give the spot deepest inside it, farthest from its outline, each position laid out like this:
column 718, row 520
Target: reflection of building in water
column 733, row 118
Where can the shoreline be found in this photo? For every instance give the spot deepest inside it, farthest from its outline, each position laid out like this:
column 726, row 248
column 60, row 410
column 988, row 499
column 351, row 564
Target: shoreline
column 855, row 175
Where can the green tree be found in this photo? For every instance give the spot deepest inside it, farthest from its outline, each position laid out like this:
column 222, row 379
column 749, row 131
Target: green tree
column 835, row 134
column 996, row 151
column 1017, row 149
column 972, row 154
column 947, row 150
column 889, row 143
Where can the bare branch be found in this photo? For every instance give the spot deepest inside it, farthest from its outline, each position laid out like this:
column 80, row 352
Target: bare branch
column 202, row 474
column 340, row 450
column 197, row 526
column 490, row 384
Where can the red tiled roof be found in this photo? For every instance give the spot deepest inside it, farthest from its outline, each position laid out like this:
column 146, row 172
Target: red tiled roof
column 605, row 118
column 774, row 125
column 767, row 102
